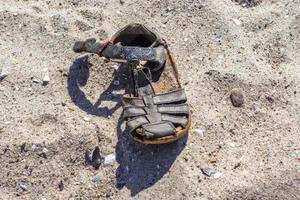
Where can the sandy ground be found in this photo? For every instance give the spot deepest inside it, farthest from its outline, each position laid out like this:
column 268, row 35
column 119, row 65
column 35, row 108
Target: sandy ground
column 218, row 45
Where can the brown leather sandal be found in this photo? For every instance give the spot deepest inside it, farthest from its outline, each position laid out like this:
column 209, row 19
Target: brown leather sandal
column 157, row 112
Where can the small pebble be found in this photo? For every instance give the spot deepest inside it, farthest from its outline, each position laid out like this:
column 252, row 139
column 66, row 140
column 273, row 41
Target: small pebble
column 109, row 160
column 169, row 9
column 5, row 68
column 33, row 147
column 207, row 172
column 45, row 150
column 61, row 186
column 96, row 178
column 237, row 165
column 199, row 132
column 237, row 97
column 23, row 147
column 87, row 119
column 232, row 144
column 237, row 22
column 44, row 153
column 96, row 158
column 46, row 79
column 93, row 158
column 217, row 175
column 185, row 39
column 35, row 80
column 3, row 75
column 23, row 187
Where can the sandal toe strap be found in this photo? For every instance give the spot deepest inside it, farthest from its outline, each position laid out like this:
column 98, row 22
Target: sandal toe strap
column 158, row 130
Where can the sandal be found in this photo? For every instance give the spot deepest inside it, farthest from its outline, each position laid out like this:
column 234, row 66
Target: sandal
column 157, row 112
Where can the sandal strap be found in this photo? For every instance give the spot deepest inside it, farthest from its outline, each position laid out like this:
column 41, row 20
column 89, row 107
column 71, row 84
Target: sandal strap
column 181, row 120
column 133, row 112
column 136, row 123
column 158, row 130
column 126, row 53
column 176, row 109
column 170, row 97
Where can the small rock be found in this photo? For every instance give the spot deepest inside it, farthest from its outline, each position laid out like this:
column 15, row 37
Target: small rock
column 217, row 175
column 96, row 178
column 237, row 165
column 5, row 68
column 44, row 153
column 3, row 75
column 169, row 9
column 185, row 39
column 23, row 187
column 33, row 147
column 45, row 150
column 237, row 98
column 109, row 160
column 212, row 72
column 199, row 132
column 207, row 172
column 211, row 173
column 165, row 21
column 61, row 186
column 87, row 119
column 232, row 144
column 94, row 159
column 270, row 99
column 46, row 79
column 35, row 80
column 213, row 159
column 23, row 148
column 237, row 22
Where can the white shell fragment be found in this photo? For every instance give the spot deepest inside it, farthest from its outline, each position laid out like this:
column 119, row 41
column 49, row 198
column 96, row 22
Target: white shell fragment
column 109, row 159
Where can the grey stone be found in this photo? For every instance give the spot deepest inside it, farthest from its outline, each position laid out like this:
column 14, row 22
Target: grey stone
column 199, row 132
column 207, row 172
column 23, row 187
column 35, row 80
column 61, row 185
column 46, row 79
column 109, row 159
column 96, row 178
column 93, row 158
column 237, row 97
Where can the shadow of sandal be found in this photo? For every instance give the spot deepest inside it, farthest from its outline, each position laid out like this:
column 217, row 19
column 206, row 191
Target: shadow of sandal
column 78, row 76
column 140, row 166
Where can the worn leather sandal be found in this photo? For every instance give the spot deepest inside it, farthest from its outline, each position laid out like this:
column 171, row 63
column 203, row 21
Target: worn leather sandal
column 157, row 112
